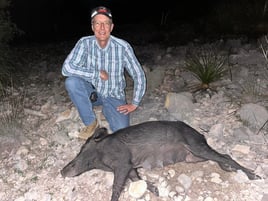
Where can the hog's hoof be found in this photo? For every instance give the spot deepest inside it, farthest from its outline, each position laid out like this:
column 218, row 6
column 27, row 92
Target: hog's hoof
column 252, row 176
column 152, row 188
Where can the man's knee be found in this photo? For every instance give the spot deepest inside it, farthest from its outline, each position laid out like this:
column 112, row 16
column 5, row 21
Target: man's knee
column 120, row 123
column 71, row 83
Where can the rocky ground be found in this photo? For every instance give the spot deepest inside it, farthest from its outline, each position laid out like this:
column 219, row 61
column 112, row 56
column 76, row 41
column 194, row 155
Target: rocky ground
column 34, row 152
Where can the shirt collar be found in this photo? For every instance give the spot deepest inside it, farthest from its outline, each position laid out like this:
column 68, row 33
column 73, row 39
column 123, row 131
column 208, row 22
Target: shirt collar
column 107, row 46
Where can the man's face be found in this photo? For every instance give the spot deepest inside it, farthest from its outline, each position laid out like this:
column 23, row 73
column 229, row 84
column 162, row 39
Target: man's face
column 102, row 27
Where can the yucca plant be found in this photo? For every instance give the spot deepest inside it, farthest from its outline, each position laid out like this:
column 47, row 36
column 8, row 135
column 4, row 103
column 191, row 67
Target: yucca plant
column 206, row 64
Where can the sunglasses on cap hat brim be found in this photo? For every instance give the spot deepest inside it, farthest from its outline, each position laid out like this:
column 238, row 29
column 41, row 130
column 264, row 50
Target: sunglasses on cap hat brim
column 101, row 10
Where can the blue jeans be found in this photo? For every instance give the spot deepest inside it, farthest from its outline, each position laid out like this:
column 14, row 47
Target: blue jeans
column 79, row 91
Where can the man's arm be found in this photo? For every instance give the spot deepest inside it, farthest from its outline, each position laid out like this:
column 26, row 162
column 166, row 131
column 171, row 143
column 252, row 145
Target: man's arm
column 136, row 71
column 76, row 62
column 134, row 68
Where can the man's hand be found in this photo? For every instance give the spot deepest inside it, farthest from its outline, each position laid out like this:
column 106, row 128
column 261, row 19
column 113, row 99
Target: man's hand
column 126, row 109
column 104, row 75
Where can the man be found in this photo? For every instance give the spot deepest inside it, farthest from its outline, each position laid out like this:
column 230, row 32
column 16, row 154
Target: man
column 95, row 75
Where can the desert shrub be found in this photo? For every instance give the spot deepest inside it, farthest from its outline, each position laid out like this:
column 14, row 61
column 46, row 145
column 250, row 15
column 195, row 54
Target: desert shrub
column 206, row 64
column 11, row 109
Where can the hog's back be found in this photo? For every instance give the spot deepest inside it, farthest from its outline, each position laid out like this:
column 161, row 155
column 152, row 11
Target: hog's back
column 157, row 143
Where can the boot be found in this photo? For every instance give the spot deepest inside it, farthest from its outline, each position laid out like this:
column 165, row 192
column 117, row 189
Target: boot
column 88, row 131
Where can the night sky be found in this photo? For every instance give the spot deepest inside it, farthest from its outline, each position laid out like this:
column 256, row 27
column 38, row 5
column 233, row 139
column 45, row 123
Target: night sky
column 66, row 19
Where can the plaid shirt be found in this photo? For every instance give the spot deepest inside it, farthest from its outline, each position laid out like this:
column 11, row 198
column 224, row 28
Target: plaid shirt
column 87, row 59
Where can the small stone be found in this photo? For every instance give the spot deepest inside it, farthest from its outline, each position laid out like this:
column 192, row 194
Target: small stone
column 215, row 178
column 185, row 181
column 179, row 189
column 241, row 148
column 171, row 173
column 64, row 115
column 179, row 198
column 164, row 191
column 21, row 165
column 209, row 199
column 137, row 189
column 197, row 174
column 23, row 150
column 240, row 177
column 20, row 199
column 172, row 194
column 43, row 141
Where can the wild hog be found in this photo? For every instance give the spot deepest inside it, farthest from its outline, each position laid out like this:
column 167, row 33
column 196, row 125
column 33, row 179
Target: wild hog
column 146, row 145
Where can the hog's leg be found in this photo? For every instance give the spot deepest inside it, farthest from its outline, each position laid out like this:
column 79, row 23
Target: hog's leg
column 203, row 150
column 121, row 174
column 232, row 165
column 134, row 176
column 198, row 146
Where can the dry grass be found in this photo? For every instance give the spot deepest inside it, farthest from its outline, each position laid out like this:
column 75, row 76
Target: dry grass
column 11, row 110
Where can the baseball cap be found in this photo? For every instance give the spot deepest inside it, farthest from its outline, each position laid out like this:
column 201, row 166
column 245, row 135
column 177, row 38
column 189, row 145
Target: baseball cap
column 101, row 10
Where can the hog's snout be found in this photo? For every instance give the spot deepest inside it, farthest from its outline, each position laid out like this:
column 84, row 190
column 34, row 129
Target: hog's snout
column 69, row 171
column 62, row 174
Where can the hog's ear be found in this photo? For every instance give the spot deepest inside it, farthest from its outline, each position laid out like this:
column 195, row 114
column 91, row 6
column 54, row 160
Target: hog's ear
column 100, row 134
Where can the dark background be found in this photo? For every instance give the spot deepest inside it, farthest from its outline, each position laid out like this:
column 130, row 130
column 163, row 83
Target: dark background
column 48, row 20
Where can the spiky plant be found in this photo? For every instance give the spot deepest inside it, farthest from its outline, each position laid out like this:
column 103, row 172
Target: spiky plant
column 206, row 64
